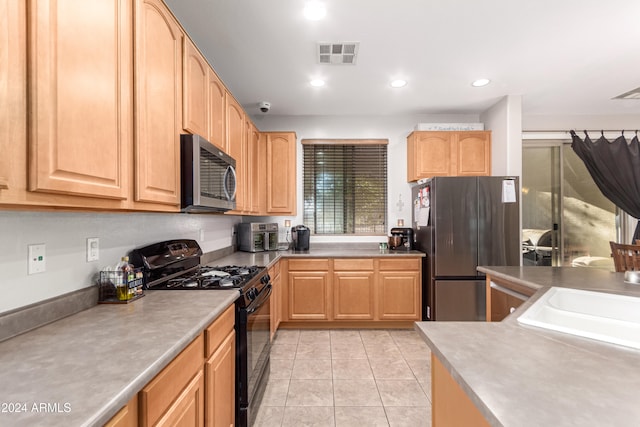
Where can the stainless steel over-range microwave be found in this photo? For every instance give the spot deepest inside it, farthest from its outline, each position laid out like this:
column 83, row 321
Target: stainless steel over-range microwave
column 208, row 176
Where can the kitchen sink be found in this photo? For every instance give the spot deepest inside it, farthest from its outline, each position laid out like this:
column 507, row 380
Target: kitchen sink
column 597, row 315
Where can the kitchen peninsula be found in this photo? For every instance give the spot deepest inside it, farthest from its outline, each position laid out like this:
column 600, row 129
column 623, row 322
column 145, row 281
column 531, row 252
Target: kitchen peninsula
column 525, row 376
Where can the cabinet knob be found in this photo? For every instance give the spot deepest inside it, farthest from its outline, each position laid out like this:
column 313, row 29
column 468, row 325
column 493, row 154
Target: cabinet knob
column 512, row 309
column 4, row 184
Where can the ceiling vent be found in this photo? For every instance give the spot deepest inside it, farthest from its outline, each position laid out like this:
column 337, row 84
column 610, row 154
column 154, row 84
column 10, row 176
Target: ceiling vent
column 632, row 94
column 338, row 53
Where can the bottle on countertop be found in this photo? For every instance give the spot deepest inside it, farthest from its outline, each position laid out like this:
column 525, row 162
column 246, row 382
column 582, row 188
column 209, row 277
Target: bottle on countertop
column 125, row 275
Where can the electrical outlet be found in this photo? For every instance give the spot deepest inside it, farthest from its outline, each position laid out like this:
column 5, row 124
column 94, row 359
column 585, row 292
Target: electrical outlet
column 93, row 249
column 37, row 260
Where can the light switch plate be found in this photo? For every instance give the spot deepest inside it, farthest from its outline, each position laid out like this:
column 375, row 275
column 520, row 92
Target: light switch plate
column 93, row 249
column 37, row 260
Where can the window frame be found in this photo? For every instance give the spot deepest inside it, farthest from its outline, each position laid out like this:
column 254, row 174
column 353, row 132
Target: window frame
column 354, row 143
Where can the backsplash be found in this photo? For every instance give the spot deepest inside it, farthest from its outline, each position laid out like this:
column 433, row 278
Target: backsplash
column 65, row 237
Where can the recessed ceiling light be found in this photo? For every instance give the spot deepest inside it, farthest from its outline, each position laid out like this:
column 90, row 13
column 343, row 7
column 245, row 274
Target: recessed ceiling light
column 315, row 10
column 317, row 82
column 398, row 83
column 480, row 82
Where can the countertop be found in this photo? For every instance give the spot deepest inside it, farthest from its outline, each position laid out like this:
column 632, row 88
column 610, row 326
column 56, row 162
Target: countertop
column 525, row 376
column 318, row 250
column 82, row 369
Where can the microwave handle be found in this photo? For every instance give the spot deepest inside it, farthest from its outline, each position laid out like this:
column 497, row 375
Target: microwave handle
column 229, row 170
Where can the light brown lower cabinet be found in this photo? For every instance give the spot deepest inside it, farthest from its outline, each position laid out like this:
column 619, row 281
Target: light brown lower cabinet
column 450, row 404
column 197, row 388
column 177, row 390
column 352, row 289
column 399, row 289
column 220, row 384
column 276, row 298
column 127, row 416
column 308, row 295
column 187, row 409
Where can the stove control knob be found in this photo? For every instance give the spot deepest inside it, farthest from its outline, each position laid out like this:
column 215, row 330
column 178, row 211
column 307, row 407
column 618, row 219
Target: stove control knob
column 251, row 293
column 265, row 279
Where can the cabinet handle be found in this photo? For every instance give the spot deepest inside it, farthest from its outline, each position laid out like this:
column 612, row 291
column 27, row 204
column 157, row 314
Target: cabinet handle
column 512, row 309
column 4, row 184
column 507, row 291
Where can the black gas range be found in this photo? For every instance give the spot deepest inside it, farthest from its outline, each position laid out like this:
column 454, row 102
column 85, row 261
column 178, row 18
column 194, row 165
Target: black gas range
column 175, row 265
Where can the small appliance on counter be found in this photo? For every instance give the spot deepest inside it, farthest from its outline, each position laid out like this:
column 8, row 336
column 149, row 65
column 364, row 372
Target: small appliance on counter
column 300, row 235
column 257, row 236
column 401, row 239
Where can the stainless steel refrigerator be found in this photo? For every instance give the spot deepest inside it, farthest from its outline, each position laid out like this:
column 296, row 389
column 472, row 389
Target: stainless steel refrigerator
column 460, row 223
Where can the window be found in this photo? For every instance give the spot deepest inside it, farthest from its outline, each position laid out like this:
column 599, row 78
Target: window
column 566, row 220
column 345, row 186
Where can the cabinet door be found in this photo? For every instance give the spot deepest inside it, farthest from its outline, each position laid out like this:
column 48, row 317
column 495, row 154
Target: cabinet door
column 177, row 391
column 399, row 295
column 188, row 408
column 249, row 171
column 353, row 295
column 220, row 380
column 158, row 77
column 255, row 170
column 308, row 295
column 278, row 310
column 217, row 112
column 195, row 88
column 127, row 416
column 80, row 97
column 13, row 108
column 236, row 136
column 281, row 173
column 276, row 299
column 473, row 153
column 451, row 405
column 429, row 154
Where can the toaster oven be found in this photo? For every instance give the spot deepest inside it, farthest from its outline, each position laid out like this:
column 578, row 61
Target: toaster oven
column 257, row 236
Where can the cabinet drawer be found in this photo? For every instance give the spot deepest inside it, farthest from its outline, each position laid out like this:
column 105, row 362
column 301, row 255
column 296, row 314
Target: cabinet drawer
column 399, row 264
column 168, row 385
column 308, row 264
column 219, row 329
column 352, row 264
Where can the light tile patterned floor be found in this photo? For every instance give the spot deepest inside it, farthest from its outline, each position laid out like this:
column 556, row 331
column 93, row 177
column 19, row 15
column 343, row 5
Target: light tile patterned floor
column 347, row 378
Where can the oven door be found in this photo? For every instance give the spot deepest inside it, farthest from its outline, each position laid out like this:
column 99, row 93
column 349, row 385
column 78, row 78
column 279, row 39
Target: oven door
column 255, row 372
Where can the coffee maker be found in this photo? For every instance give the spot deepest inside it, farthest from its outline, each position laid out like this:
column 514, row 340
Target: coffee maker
column 300, row 235
column 406, row 238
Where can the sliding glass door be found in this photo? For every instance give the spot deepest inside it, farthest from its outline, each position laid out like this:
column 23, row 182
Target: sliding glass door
column 565, row 218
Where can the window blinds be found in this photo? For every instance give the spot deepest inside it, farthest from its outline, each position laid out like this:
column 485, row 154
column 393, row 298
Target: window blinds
column 345, row 187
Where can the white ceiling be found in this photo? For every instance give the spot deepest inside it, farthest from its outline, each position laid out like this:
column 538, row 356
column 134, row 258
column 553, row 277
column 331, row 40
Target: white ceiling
column 565, row 57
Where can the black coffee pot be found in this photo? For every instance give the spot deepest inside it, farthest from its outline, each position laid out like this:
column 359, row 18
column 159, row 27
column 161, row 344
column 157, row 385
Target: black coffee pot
column 300, row 235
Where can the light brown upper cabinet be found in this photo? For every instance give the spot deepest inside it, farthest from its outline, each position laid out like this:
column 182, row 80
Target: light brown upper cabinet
column 204, row 98
column 281, row 173
column 79, row 68
column 217, row 112
column 195, row 89
column 236, row 148
column 158, row 88
column 448, row 153
column 255, row 170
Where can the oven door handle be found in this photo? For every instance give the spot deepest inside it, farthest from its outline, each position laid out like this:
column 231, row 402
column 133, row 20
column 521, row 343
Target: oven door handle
column 262, row 297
